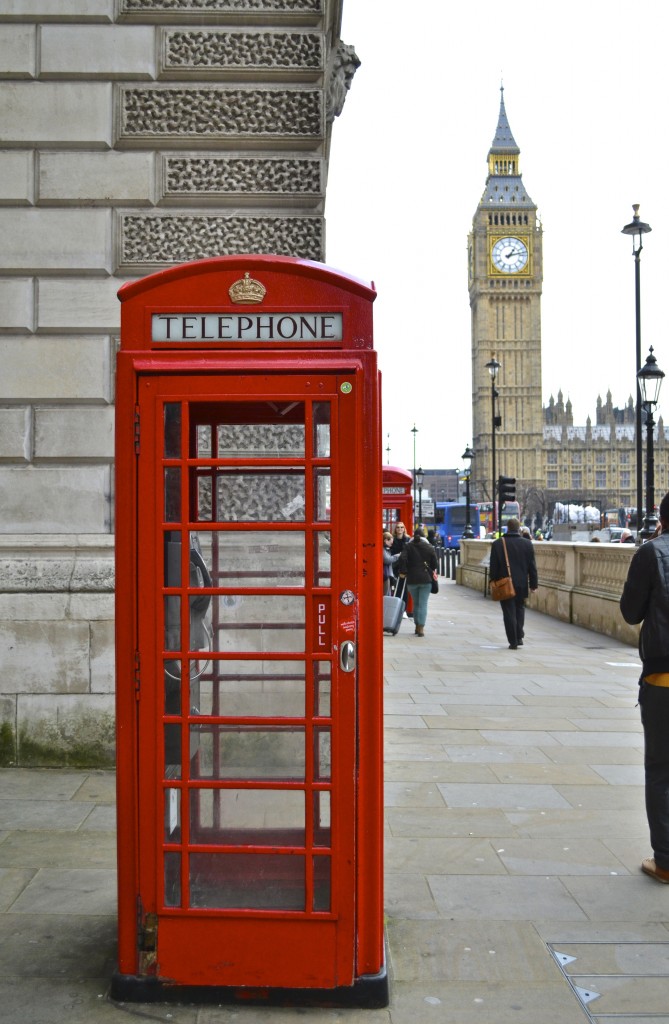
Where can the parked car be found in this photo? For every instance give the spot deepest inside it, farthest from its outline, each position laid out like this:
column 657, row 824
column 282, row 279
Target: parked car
column 610, row 534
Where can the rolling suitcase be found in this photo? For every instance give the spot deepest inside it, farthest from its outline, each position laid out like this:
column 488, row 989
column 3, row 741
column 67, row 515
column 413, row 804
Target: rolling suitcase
column 393, row 609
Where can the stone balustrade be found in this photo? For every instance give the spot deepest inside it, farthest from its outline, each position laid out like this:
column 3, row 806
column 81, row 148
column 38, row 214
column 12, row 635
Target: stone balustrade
column 578, row 583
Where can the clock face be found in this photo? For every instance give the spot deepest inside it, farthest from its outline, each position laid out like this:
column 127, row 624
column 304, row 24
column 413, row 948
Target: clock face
column 509, row 255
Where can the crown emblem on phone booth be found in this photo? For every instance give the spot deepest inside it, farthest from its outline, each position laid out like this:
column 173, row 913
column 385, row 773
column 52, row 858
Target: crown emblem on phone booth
column 247, row 290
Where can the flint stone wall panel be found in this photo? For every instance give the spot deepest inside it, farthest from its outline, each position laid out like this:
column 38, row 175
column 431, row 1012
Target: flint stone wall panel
column 42, row 369
column 240, row 179
column 50, row 500
column 57, row 10
column 160, row 241
column 259, row 55
column 61, row 114
column 71, row 241
column 17, row 303
column 199, row 116
column 96, row 179
column 15, row 433
column 79, row 304
column 18, row 51
column 86, row 51
column 85, row 433
column 16, row 178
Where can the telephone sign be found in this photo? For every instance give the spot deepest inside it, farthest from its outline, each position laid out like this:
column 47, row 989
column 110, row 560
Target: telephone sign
column 277, row 327
column 249, row 690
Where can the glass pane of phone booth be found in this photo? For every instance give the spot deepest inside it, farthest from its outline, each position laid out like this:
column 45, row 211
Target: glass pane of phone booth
column 247, row 703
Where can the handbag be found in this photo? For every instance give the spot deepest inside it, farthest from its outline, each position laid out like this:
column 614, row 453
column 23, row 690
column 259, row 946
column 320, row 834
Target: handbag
column 502, row 590
column 433, row 579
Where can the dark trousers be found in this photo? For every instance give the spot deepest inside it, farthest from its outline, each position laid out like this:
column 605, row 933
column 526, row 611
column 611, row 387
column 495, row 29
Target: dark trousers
column 654, row 703
column 513, row 611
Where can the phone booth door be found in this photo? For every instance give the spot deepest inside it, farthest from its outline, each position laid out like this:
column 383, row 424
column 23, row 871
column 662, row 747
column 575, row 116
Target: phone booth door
column 246, row 631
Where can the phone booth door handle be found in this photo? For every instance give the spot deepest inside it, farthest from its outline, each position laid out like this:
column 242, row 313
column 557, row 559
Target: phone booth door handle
column 347, row 656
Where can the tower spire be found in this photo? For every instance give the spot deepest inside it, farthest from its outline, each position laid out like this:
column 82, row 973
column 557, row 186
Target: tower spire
column 504, row 141
column 504, row 182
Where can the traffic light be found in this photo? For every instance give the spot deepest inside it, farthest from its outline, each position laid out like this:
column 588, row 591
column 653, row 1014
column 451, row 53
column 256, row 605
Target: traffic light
column 506, row 489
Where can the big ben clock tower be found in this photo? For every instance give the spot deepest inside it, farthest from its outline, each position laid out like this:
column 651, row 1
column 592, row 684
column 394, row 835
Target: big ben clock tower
column 505, row 277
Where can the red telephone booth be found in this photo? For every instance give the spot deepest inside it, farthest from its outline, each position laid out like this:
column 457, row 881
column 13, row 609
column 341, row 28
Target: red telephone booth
column 397, row 500
column 249, row 637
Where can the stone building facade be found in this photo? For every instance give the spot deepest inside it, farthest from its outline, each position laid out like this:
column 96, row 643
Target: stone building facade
column 134, row 134
column 595, row 464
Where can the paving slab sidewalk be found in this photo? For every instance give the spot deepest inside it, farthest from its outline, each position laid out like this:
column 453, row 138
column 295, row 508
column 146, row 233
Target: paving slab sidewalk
column 515, row 828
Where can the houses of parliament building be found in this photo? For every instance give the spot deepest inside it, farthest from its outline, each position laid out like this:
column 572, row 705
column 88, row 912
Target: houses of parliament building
column 551, row 458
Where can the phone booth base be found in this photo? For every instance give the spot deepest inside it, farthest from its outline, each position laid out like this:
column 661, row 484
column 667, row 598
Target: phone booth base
column 367, row 993
column 249, row 633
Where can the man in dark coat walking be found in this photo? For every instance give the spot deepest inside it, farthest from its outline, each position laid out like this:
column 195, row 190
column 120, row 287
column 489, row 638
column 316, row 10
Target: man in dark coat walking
column 523, row 568
column 645, row 599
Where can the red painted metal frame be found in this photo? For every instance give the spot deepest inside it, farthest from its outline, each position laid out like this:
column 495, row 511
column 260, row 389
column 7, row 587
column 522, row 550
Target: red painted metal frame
column 401, row 501
column 291, row 285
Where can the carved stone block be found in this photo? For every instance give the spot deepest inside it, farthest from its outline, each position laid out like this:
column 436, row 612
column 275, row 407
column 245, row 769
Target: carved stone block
column 158, row 241
column 191, row 114
column 198, row 51
column 239, row 177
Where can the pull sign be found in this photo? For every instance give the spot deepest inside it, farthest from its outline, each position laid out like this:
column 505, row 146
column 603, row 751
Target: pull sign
column 322, row 624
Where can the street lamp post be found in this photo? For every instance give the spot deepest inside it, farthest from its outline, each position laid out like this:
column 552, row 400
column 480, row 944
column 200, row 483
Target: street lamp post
column 467, row 456
column 414, row 431
column 419, row 477
column 637, row 229
column 649, row 379
column 493, row 368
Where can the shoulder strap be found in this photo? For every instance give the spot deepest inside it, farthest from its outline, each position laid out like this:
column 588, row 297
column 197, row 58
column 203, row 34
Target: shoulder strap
column 508, row 569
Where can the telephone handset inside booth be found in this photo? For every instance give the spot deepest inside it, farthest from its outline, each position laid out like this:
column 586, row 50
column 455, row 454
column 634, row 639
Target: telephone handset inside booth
column 201, row 633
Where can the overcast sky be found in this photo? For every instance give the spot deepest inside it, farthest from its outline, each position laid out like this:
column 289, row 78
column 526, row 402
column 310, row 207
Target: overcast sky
column 585, row 90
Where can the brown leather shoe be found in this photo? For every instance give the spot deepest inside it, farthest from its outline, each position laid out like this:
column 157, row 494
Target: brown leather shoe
column 650, row 868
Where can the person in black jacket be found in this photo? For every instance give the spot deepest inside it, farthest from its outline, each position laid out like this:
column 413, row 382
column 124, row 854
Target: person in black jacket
column 645, row 599
column 523, row 573
column 418, row 562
